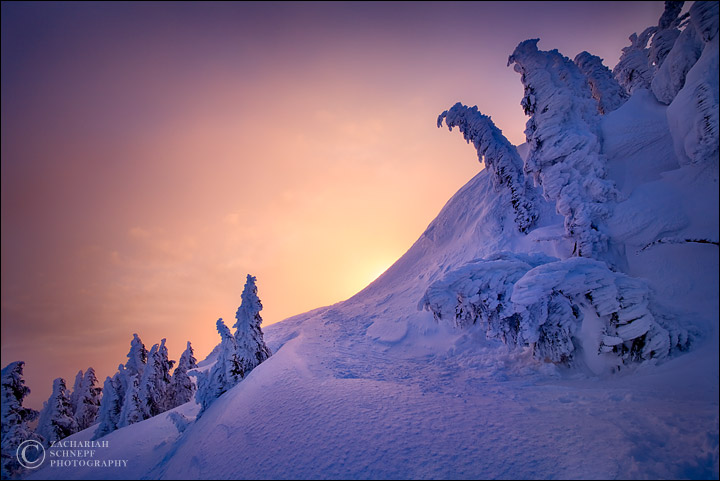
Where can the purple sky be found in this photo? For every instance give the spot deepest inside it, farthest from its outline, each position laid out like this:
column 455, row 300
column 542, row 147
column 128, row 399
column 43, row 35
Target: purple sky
column 155, row 153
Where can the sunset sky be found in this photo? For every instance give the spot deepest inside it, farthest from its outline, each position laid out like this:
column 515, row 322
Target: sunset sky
column 153, row 154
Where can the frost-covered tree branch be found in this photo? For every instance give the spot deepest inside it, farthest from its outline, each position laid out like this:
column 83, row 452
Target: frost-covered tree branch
column 675, row 240
column 499, row 156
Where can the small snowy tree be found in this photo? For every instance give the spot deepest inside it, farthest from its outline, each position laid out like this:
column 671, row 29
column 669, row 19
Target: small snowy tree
column 15, row 418
column 56, row 419
column 499, row 155
column 608, row 94
column 182, row 388
column 111, row 404
column 137, row 357
column 224, row 374
column 251, row 347
column 88, row 400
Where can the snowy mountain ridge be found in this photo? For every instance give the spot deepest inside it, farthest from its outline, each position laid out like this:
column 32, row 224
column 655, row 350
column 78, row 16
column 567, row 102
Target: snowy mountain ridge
column 494, row 347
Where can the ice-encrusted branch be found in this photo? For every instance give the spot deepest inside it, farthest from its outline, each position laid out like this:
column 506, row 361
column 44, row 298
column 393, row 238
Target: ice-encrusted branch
column 675, row 240
column 499, row 156
column 606, row 91
column 564, row 138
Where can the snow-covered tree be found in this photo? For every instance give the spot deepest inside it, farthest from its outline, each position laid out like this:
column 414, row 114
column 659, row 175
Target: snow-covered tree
column 133, row 407
column 608, row 94
column 643, row 63
column 667, row 33
column 77, row 386
column 182, row 388
column 670, row 76
column 250, row 344
column 499, row 156
column 88, row 400
column 693, row 114
column 112, row 403
column 542, row 302
column 56, row 419
column 224, row 374
column 634, row 70
column 137, row 357
column 15, row 418
column 565, row 140
column 155, row 381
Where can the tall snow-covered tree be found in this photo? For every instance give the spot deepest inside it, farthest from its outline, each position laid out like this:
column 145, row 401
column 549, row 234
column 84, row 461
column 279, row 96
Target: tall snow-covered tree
column 565, row 140
column 608, row 94
column 56, row 419
column 250, row 344
column 15, row 418
column 155, row 382
column 88, row 400
column 182, row 387
column 112, row 403
column 499, row 156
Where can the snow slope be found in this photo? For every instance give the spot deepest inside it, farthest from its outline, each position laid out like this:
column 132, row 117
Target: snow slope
column 374, row 388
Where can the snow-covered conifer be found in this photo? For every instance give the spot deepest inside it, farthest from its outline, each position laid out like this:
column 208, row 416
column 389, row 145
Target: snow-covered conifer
column 182, row 388
column 499, row 155
column 112, row 402
column 250, row 344
column 564, row 137
column 56, row 419
column 15, row 418
column 88, row 400
column 137, row 357
column 608, row 94
column 133, row 408
column 77, row 387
